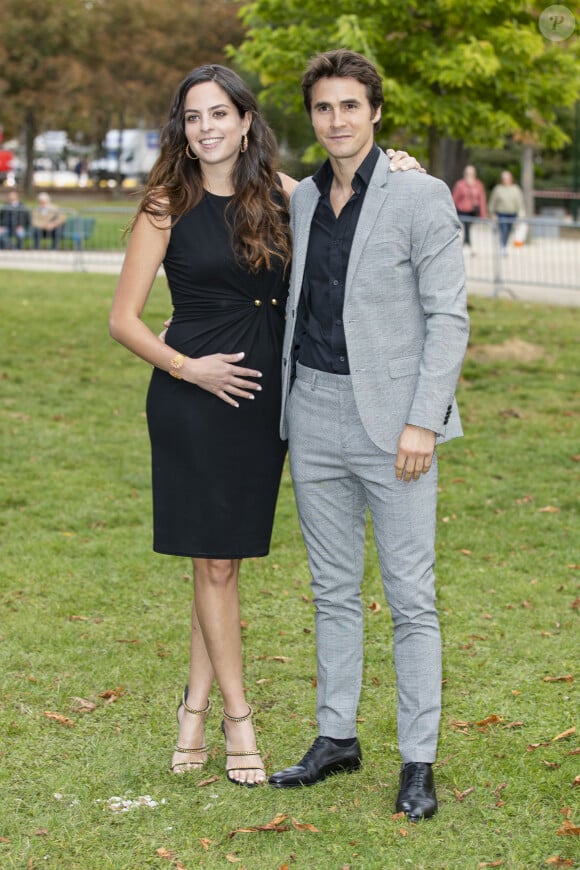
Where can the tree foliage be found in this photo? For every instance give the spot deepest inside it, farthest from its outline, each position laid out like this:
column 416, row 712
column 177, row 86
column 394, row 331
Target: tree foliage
column 87, row 65
column 477, row 72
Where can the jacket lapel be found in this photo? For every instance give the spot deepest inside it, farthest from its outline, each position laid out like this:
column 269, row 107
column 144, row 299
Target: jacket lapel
column 302, row 219
column 373, row 202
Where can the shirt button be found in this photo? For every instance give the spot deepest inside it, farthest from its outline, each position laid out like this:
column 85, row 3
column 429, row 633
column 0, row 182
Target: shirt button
column 334, row 283
column 338, row 322
column 341, row 358
column 274, row 301
column 257, row 302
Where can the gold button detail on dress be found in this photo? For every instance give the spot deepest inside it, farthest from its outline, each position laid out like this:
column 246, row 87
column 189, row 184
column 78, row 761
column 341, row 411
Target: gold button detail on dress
column 257, row 302
column 274, row 301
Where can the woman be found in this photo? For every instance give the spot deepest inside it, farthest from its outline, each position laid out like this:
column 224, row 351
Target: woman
column 469, row 198
column 506, row 203
column 215, row 214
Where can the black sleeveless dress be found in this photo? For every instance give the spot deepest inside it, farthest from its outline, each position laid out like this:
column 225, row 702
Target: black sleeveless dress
column 215, row 468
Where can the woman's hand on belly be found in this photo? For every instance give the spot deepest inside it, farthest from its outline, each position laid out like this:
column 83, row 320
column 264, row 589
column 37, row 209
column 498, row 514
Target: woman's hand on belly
column 219, row 374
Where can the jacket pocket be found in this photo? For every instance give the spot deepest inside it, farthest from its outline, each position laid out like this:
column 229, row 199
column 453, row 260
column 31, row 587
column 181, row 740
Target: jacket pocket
column 404, row 365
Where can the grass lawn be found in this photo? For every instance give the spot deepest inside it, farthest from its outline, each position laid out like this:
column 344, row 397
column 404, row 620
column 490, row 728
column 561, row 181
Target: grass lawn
column 94, row 630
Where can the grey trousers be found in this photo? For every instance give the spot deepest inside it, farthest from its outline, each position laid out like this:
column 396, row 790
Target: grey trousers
column 337, row 473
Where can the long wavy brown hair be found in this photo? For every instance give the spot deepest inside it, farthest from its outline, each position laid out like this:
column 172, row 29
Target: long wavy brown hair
column 258, row 211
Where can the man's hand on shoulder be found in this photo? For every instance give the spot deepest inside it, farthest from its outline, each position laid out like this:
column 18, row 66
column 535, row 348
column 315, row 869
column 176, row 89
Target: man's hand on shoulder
column 402, row 160
column 415, row 453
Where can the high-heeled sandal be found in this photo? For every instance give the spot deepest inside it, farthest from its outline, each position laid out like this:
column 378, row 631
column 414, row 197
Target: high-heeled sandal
column 188, row 765
column 241, row 754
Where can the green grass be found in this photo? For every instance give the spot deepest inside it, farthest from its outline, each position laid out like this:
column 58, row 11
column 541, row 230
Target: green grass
column 87, row 608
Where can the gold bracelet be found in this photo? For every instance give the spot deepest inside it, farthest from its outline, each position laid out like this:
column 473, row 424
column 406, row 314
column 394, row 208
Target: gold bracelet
column 176, row 364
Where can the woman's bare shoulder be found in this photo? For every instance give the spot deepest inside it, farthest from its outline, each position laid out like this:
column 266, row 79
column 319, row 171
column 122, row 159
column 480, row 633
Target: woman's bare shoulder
column 288, row 183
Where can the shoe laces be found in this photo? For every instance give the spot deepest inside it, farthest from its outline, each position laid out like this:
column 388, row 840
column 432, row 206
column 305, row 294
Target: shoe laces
column 417, row 774
column 315, row 746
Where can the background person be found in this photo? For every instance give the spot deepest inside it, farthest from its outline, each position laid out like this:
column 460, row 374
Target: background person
column 375, row 336
column 506, row 203
column 470, row 201
column 14, row 222
column 47, row 221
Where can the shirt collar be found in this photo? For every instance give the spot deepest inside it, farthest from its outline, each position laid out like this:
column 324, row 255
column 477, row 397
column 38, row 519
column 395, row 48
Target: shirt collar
column 323, row 177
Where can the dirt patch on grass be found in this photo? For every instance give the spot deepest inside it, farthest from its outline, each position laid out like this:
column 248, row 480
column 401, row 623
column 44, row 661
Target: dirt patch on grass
column 511, row 349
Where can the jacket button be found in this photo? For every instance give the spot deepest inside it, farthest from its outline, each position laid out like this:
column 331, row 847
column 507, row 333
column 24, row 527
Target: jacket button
column 274, row 301
column 257, row 302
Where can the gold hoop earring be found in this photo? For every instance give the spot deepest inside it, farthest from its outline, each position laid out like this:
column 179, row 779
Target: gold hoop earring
column 244, row 145
column 187, row 153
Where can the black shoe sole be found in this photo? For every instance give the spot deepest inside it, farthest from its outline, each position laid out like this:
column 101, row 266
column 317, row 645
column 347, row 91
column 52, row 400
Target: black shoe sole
column 351, row 769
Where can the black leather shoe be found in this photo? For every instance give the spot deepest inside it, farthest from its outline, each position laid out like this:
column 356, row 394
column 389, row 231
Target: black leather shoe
column 322, row 759
column 416, row 798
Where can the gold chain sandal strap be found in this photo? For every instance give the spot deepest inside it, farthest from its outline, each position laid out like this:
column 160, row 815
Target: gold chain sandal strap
column 245, row 718
column 196, row 712
column 241, row 753
column 192, row 751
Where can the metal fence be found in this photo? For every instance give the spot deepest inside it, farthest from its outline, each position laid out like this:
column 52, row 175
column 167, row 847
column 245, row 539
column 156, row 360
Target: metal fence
column 549, row 259
column 541, row 252
column 92, row 240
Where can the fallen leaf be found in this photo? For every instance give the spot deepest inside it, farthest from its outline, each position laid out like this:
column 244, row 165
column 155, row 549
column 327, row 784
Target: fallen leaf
column 83, row 706
column 304, row 827
column 553, row 765
column 397, row 816
column 280, row 659
column 559, row 861
column 274, row 825
column 531, row 747
column 489, row 720
column 403, row 832
column 232, row 858
column 499, row 788
column 74, row 618
column 41, row 832
column 566, row 678
column 205, row 842
column 515, row 725
column 179, row 866
column 208, row 781
column 461, row 795
column 165, row 853
column 564, row 734
column 375, row 607
column 549, row 509
column 465, row 552
column 58, row 717
column 568, row 829
column 490, row 864
column 576, row 781
column 4, row 840
column 575, row 751
column 111, row 695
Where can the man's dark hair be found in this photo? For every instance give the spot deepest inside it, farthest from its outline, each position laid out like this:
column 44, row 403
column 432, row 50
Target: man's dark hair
column 344, row 64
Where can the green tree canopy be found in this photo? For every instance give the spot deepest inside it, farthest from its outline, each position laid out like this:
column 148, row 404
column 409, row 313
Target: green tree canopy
column 477, row 71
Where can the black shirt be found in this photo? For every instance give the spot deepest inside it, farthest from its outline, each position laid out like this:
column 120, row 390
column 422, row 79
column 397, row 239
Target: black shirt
column 320, row 341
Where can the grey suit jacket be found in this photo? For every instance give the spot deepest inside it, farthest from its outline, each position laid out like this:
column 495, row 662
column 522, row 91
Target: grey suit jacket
column 405, row 312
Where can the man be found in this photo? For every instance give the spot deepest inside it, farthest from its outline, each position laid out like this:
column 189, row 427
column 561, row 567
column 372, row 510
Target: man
column 376, row 332
column 47, row 221
column 14, row 222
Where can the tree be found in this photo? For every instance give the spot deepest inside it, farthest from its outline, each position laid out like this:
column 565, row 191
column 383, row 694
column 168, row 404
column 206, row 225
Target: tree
column 474, row 72
column 87, row 65
column 40, row 70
